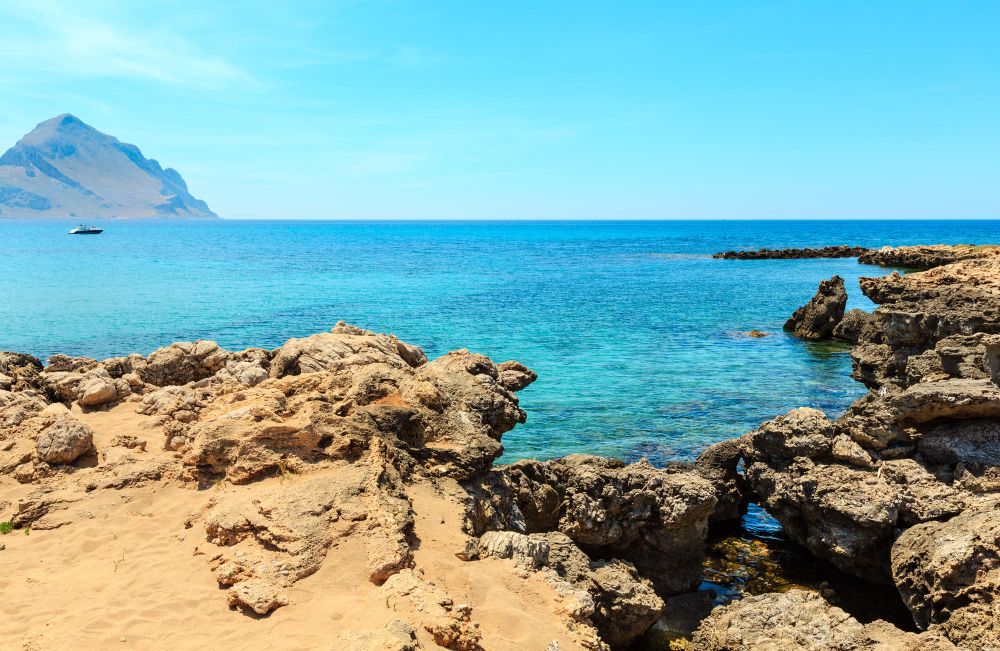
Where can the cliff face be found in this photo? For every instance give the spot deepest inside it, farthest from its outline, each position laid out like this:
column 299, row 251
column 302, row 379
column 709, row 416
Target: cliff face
column 67, row 169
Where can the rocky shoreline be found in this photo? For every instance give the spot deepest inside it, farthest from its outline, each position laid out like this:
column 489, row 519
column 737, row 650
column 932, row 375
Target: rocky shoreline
column 351, row 452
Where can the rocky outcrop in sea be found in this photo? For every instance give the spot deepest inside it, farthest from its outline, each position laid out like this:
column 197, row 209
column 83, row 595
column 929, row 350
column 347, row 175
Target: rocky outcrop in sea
column 789, row 254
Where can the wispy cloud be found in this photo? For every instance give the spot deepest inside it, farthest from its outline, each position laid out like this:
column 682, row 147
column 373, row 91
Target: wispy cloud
column 55, row 37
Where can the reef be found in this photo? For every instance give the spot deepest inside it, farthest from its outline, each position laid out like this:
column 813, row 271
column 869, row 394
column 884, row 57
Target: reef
column 790, row 254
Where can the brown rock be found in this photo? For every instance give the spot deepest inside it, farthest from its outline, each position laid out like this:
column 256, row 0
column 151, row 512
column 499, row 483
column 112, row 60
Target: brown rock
column 818, row 318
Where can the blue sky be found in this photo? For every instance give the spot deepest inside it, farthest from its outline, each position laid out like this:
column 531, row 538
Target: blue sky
column 540, row 110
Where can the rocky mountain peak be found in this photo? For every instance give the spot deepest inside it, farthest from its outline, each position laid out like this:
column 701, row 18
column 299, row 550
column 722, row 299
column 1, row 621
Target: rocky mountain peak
column 64, row 168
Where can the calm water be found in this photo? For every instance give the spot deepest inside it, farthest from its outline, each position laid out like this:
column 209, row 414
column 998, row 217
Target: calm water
column 631, row 327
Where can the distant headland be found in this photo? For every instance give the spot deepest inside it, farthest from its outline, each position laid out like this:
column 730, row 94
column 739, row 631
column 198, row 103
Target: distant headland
column 67, row 169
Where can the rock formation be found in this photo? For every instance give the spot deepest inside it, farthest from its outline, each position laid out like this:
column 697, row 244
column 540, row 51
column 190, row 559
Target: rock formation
column 817, row 319
column 903, row 488
column 798, row 620
column 788, row 254
column 318, row 445
column 926, row 257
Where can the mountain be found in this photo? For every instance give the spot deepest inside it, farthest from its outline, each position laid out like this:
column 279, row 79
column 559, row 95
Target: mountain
column 65, row 168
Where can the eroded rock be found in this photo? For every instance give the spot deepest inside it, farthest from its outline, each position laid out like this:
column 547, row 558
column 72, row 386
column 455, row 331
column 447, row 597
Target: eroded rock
column 817, row 319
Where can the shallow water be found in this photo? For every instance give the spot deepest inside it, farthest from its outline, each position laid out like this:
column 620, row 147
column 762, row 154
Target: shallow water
column 631, row 326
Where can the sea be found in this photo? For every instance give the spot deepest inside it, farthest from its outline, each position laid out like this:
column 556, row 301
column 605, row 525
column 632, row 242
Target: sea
column 635, row 331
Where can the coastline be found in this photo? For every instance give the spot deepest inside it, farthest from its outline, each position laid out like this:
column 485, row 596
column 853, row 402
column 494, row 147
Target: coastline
column 275, row 465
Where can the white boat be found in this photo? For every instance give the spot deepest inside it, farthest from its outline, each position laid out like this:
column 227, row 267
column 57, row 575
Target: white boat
column 83, row 229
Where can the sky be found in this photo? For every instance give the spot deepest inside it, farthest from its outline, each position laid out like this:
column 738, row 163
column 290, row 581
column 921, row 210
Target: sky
column 531, row 110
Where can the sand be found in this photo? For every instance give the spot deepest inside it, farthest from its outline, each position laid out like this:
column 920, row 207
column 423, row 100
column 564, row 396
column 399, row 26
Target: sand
column 125, row 573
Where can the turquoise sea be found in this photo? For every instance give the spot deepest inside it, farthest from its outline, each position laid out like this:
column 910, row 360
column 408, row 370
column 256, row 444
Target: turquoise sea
column 633, row 329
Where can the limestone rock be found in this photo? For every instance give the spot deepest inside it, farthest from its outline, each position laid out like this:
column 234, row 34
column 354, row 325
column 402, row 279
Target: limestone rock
column 948, row 573
column 342, row 347
column 397, row 635
column 97, row 388
column 64, row 441
column 260, row 596
column 818, row 318
column 802, row 432
column 625, row 605
column 682, row 615
column 859, row 326
column 719, row 465
column 791, row 620
column 515, row 376
column 529, row 551
column 842, row 251
column 655, row 519
column 450, row 625
column 925, row 257
column 798, row 620
column 972, row 441
column 183, row 362
column 23, row 371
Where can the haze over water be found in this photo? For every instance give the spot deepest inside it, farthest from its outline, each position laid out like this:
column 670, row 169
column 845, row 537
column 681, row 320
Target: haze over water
column 631, row 326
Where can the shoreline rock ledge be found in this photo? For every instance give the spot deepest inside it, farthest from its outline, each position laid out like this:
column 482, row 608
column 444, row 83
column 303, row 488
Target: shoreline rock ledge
column 345, row 449
column 903, row 489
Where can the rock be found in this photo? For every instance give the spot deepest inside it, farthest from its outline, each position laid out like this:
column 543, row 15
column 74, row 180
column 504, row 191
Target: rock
column 846, row 450
column 972, row 441
column 529, row 551
column 515, row 376
column 682, row 615
column 96, row 389
column 397, row 635
column 260, row 596
column 625, row 605
column 789, row 254
column 925, row 257
column 918, row 310
column 655, row 519
column 859, row 326
column 801, row 620
column 182, row 362
column 802, row 432
column 817, row 319
column 23, row 372
column 342, row 347
column 841, row 513
column 948, row 574
column 247, row 373
column 719, row 465
column 796, row 619
column 299, row 523
column 450, row 626
column 64, row 441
